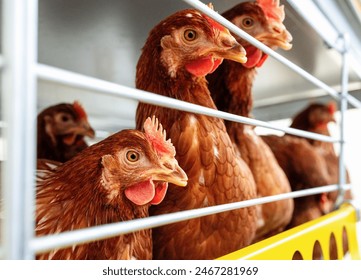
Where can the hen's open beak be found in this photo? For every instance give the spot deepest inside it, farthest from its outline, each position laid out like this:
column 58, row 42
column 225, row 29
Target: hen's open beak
column 171, row 172
column 81, row 128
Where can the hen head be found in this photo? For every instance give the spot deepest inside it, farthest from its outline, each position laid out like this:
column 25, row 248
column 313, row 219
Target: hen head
column 262, row 20
column 315, row 117
column 65, row 122
column 141, row 165
column 188, row 42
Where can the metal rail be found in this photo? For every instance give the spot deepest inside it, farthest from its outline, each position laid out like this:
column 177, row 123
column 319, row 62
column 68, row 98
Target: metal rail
column 53, row 74
column 19, row 107
column 1, row 61
column 343, row 108
column 66, row 239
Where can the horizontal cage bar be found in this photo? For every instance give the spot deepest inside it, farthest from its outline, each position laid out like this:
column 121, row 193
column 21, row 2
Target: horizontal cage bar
column 53, row 74
column 66, row 239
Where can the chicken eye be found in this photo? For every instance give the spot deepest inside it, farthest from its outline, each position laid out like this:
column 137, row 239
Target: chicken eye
column 247, row 22
column 190, row 35
column 132, row 156
column 65, row 118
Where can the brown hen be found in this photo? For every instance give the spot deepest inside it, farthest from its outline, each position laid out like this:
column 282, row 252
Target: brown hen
column 61, row 131
column 114, row 180
column 231, row 88
column 177, row 55
column 310, row 163
column 315, row 118
column 305, row 168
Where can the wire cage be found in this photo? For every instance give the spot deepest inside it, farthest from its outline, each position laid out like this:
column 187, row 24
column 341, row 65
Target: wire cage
column 20, row 75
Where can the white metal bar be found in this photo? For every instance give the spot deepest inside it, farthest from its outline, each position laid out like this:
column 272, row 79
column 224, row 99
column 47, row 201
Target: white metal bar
column 66, row 239
column 19, row 107
column 30, row 124
column 343, row 108
column 2, row 124
column 1, row 61
column 77, row 80
column 233, row 28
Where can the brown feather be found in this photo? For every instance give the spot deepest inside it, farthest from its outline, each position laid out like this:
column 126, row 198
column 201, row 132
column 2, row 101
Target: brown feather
column 204, row 150
column 231, row 89
column 315, row 118
column 89, row 190
column 60, row 131
column 309, row 163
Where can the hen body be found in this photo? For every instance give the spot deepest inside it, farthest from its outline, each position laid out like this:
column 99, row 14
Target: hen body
column 305, row 168
column 315, row 118
column 309, row 163
column 295, row 154
column 231, row 88
column 114, row 180
column 204, row 151
column 61, row 131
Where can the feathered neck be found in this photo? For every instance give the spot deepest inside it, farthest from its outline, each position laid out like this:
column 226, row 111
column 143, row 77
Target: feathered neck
column 240, row 85
column 152, row 76
column 323, row 130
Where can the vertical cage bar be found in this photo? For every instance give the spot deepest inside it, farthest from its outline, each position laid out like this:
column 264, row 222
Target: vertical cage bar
column 343, row 108
column 19, row 107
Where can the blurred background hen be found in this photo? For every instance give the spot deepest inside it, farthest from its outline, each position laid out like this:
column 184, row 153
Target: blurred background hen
column 61, row 131
column 296, row 154
column 310, row 163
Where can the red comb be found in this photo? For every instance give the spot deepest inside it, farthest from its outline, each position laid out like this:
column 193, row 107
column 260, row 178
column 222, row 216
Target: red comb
column 212, row 22
column 157, row 136
column 79, row 110
column 332, row 108
column 272, row 9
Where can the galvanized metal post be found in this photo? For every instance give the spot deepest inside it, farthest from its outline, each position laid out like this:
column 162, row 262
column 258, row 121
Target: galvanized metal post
column 19, row 107
column 343, row 107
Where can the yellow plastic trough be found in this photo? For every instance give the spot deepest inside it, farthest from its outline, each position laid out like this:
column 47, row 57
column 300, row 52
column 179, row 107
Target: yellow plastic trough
column 299, row 242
